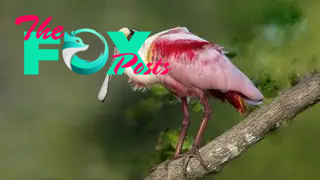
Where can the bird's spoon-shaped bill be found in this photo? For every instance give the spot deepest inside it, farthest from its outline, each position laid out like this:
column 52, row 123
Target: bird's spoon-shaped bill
column 105, row 85
column 104, row 88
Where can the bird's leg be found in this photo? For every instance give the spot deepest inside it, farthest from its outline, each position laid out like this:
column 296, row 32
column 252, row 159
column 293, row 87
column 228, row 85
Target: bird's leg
column 184, row 127
column 204, row 123
column 196, row 145
column 183, row 131
column 194, row 150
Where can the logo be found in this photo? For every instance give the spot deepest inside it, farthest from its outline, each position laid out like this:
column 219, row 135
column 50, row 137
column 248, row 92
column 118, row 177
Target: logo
column 128, row 56
column 73, row 44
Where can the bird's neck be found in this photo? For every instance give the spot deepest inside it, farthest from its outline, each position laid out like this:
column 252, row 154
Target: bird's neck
column 140, row 79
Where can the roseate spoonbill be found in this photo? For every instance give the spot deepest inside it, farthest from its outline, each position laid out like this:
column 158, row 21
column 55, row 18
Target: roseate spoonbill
column 200, row 69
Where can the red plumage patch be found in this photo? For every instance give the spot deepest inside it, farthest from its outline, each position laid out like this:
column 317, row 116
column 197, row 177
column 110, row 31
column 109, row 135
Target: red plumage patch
column 166, row 48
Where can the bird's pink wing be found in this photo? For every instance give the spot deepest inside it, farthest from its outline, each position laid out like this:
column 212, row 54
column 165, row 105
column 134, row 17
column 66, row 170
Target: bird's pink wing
column 181, row 30
column 198, row 63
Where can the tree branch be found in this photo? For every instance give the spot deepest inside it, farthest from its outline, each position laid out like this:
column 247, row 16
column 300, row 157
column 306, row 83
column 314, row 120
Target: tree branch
column 238, row 139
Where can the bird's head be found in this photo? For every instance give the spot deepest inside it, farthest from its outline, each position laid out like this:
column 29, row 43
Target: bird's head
column 127, row 32
column 104, row 88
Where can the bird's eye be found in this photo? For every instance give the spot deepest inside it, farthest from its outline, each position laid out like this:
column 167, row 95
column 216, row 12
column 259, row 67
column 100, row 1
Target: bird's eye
column 77, row 41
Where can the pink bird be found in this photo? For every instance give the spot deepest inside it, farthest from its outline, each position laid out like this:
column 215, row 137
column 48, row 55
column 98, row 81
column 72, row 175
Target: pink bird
column 200, row 69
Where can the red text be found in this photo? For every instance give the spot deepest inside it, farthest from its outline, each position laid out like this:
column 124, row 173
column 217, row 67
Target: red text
column 45, row 32
column 139, row 68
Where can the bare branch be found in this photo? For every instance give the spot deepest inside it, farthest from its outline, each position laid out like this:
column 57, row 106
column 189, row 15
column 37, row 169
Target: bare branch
column 238, row 139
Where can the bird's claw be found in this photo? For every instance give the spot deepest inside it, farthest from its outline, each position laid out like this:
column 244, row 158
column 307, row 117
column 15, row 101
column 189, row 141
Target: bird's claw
column 193, row 152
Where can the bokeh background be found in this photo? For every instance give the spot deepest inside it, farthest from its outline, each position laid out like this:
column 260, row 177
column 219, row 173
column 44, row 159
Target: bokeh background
column 53, row 127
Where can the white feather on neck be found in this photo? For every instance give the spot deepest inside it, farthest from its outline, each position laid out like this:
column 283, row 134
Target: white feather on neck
column 140, row 78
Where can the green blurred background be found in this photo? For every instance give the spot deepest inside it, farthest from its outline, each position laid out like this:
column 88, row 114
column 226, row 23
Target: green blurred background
column 53, row 127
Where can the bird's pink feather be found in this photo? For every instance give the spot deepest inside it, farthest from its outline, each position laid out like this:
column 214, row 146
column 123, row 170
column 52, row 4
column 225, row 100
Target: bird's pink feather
column 197, row 63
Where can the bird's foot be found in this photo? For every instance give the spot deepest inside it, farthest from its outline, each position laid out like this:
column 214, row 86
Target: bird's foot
column 193, row 152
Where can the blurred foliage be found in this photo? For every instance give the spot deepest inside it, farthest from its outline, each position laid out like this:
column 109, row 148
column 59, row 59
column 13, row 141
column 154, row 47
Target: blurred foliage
column 231, row 55
column 293, row 78
column 268, row 86
column 284, row 14
column 163, row 95
column 196, row 106
column 167, row 142
column 159, row 90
